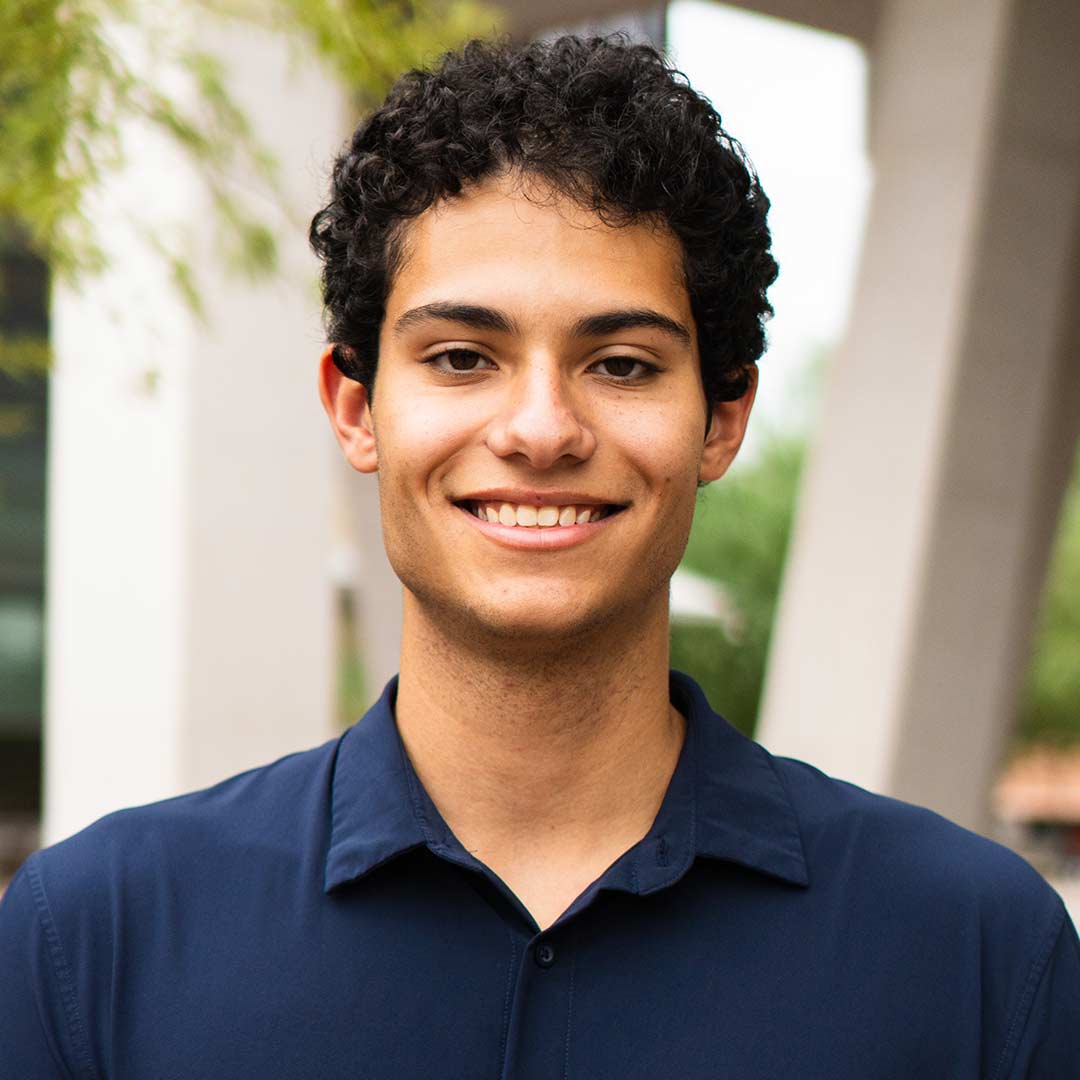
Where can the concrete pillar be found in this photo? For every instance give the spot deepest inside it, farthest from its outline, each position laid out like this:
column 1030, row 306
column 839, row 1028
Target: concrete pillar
column 935, row 480
column 527, row 19
column 189, row 530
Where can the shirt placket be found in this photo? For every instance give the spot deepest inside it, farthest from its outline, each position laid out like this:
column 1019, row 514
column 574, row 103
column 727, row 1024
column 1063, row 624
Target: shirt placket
column 541, row 1009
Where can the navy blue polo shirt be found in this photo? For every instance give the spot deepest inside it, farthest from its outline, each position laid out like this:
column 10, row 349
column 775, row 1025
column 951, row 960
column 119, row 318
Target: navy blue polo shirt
column 316, row 918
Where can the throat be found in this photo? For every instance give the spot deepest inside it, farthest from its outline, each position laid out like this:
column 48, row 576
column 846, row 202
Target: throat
column 547, row 884
column 546, row 769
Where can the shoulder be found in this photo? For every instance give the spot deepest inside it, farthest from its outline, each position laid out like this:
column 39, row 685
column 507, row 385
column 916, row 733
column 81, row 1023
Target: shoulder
column 272, row 810
column 955, row 911
column 85, row 915
column 946, row 945
column 971, row 918
column 916, row 862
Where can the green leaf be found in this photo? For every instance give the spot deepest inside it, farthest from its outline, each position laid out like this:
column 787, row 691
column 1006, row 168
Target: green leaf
column 67, row 91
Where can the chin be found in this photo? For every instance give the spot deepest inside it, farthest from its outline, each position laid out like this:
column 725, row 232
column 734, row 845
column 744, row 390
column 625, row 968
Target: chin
column 527, row 620
column 531, row 619
column 537, row 633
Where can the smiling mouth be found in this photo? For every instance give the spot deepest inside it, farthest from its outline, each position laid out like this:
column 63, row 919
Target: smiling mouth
column 527, row 516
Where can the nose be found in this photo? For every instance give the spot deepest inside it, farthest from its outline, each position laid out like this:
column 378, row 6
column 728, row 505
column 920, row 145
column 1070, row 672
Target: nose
column 540, row 420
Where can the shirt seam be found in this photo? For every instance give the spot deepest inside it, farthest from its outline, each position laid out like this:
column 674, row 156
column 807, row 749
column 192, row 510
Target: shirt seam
column 335, row 810
column 569, row 1016
column 695, row 791
column 77, row 1033
column 415, row 801
column 1022, row 1013
column 510, row 979
column 681, row 868
column 771, row 761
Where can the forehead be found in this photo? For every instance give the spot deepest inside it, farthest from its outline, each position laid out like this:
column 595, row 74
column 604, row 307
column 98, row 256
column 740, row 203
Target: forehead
column 514, row 243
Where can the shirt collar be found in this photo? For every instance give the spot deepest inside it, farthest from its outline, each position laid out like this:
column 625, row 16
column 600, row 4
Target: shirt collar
column 725, row 801
column 372, row 818
column 744, row 814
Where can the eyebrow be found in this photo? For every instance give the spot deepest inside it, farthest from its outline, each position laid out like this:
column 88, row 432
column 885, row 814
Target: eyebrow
column 605, row 323
column 473, row 315
column 601, row 324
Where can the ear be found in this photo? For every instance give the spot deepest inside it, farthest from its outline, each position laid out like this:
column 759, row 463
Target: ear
column 727, row 427
column 346, row 403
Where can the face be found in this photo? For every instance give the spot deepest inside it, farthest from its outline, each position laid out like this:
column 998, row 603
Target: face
column 535, row 365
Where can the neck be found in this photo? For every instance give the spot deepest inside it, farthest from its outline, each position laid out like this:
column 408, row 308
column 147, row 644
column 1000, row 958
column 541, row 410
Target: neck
column 562, row 751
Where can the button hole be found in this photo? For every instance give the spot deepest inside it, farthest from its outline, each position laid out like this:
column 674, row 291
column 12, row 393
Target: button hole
column 661, row 851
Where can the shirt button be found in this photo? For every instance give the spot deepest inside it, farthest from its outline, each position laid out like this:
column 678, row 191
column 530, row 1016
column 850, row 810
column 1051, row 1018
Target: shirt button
column 545, row 954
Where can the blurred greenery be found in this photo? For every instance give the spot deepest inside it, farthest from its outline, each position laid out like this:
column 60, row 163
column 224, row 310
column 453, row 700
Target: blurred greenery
column 75, row 73
column 352, row 684
column 739, row 540
column 1050, row 701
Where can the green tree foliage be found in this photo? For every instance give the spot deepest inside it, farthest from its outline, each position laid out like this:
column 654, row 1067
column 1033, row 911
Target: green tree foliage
column 1050, row 702
column 73, row 73
column 739, row 540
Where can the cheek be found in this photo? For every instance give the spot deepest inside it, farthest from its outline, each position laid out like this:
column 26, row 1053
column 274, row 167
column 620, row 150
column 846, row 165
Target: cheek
column 417, row 441
column 408, row 443
column 666, row 448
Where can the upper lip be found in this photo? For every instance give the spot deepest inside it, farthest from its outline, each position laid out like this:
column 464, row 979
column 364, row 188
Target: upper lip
column 522, row 497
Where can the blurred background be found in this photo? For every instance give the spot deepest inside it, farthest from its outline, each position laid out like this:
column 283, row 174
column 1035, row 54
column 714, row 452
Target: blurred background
column 887, row 584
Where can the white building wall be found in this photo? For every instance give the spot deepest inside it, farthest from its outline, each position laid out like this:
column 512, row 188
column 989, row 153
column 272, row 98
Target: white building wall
column 189, row 619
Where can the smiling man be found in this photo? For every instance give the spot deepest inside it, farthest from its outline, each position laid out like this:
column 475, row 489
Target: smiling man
column 539, row 429
column 541, row 854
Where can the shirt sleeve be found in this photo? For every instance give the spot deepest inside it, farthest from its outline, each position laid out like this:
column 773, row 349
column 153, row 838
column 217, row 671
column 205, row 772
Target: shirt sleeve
column 34, row 1010
column 1049, row 1041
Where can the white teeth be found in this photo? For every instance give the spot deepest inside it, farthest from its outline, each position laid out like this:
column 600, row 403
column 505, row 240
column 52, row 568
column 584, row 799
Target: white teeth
column 529, row 516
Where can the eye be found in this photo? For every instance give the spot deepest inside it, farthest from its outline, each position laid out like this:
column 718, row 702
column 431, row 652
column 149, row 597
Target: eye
column 625, row 368
column 458, row 362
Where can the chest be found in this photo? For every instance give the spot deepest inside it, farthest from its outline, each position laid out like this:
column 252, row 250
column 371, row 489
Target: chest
column 446, row 980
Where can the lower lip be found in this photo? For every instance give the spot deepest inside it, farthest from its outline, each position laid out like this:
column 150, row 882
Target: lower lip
column 537, row 538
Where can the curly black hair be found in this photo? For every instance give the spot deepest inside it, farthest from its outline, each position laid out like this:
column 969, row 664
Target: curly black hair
column 605, row 122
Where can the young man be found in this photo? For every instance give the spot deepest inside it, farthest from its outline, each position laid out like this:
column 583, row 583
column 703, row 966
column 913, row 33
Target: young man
column 541, row 854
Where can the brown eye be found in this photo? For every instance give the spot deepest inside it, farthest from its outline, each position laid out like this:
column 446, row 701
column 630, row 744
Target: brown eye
column 461, row 361
column 625, row 368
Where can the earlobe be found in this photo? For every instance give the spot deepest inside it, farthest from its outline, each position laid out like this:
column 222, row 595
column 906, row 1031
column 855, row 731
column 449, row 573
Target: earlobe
column 349, row 410
column 727, row 428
